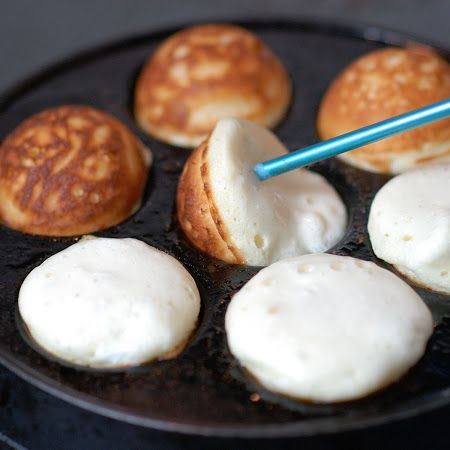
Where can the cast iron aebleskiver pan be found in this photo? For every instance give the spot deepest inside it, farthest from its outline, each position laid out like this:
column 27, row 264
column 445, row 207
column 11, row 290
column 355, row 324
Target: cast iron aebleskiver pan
column 204, row 391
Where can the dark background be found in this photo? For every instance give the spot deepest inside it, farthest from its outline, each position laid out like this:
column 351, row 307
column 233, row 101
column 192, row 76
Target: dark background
column 34, row 33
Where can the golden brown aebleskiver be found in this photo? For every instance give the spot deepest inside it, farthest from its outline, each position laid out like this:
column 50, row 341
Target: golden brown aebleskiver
column 204, row 73
column 383, row 84
column 70, row 170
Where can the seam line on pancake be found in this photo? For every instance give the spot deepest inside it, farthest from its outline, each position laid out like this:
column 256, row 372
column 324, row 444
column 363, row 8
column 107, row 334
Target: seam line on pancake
column 214, row 213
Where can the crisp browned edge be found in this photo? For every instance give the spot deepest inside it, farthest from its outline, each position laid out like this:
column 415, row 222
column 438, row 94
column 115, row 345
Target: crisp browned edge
column 197, row 212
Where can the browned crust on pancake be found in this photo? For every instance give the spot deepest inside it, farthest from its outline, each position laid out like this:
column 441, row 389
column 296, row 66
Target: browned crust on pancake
column 415, row 280
column 205, row 64
column 380, row 85
column 197, row 213
column 68, row 171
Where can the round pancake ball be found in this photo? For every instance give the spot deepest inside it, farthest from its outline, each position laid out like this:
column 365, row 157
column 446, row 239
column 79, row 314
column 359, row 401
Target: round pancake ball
column 327, row 328
column 409, row 225
column 225, row 211
column 383, row 84
column 110, row 303
column 70, row 170
column 204, row 73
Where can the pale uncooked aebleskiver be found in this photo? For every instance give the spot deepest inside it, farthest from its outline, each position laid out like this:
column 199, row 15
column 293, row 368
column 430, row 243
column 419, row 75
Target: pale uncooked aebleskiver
column 409, row 225
column 228, row 213
column 110, row 303
column 327, row 328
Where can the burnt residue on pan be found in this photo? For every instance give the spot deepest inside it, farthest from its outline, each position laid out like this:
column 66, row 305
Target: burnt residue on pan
column 204, row 390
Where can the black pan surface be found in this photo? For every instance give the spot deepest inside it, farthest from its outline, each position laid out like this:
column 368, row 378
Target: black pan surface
column 204, row 391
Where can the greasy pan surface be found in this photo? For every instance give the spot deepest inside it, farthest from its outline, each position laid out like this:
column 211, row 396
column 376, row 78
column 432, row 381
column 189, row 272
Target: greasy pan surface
column 204, row 391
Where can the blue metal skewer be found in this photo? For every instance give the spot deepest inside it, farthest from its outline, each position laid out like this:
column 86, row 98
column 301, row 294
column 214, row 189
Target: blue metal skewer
column 352, row 140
